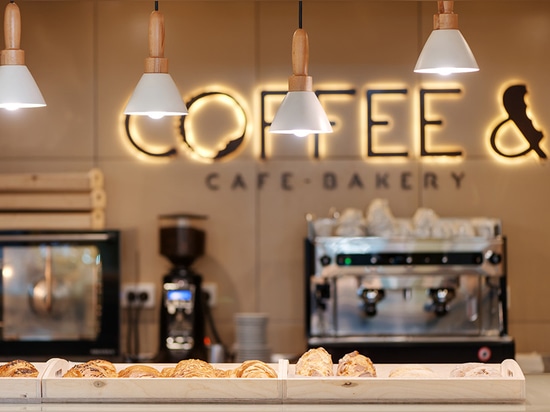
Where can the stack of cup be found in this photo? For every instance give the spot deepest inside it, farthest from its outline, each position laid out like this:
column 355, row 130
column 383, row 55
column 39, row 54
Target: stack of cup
column 251, row 335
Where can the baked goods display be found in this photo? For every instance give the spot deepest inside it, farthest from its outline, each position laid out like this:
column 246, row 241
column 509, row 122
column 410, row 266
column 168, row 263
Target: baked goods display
column 355, row 364
column 18, row 369
column 188, row 368
column 354, row 378
column 315, row 362
column 318, row 362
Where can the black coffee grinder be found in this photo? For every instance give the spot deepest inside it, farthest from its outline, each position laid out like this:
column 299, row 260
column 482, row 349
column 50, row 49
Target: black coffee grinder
column 182, row 318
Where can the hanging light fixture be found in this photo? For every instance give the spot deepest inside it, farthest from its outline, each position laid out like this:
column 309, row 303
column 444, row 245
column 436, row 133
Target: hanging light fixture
column 156, row 94
column 17, row 86
column 300, row 112
column 446, row 51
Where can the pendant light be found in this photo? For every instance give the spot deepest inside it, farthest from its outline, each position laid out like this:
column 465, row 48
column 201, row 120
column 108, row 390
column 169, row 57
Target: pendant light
column 446, row 51
column 17, row 86
column 300, row 112
column 156, row 94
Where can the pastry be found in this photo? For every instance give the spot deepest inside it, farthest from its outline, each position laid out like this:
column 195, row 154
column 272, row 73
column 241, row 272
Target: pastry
column 167, row 372
column 253, row 369
column 223, row 373
column 92, row 369
column 412, row 372
column 355, row 364
column 110, row 369
column 18, row 369
column 315, row 362
column 139, row 371
column 193, row 368
column 473, row 370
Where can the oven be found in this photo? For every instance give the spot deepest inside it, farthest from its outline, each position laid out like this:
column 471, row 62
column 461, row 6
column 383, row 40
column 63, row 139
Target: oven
column 59, row 294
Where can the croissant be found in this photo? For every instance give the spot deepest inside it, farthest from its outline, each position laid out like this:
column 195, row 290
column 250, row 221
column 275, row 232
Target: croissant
column 253, row 369
column 18, row 369
column 139, row 371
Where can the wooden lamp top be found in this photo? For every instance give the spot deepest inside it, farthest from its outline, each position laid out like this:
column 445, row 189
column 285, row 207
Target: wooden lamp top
column 446, row 18
column 156, row 62
column 12, row 54
column 300, row 80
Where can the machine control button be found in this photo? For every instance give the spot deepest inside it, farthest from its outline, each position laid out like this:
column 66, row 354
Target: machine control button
column 492, row 257
column 325, row 260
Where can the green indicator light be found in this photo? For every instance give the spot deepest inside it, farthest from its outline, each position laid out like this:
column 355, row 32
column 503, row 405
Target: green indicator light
column 347, row 261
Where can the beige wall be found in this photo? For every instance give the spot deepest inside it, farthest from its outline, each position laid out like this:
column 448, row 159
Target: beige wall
column 88, row 55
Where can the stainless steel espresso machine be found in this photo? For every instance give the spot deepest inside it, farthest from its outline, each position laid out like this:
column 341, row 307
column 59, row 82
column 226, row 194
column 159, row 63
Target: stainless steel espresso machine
column 182, row 319
column 409, row 299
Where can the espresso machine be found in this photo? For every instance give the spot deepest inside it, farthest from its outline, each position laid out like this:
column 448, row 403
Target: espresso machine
column 182, row 318
column 407, row 299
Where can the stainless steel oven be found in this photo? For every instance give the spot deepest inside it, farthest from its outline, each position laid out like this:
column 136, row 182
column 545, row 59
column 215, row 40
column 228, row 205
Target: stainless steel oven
column 59, row 294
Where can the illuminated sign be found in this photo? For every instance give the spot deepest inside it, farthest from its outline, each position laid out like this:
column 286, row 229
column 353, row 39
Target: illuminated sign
column 514, row 104
column 232, row 138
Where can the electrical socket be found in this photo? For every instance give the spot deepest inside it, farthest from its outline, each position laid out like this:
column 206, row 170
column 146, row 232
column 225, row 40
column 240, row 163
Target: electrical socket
column 212, row 289
column 138, row 288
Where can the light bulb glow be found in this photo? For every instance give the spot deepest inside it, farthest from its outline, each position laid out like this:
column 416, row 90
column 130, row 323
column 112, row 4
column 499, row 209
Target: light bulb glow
column 155, row 115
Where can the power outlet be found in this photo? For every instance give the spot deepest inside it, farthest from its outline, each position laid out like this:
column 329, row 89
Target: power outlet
column 144, row 295
column 212, row 289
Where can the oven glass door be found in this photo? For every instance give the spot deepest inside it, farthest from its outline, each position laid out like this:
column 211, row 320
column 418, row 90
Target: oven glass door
column 51, row 292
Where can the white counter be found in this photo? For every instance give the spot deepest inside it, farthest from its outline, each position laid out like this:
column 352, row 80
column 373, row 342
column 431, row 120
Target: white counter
column 537, row 385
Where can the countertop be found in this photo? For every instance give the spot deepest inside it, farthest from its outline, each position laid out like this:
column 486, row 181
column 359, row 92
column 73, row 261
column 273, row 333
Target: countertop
column 537, row 385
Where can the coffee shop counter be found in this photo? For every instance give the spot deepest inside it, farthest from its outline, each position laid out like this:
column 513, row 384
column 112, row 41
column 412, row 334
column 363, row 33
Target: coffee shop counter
column 537, row 399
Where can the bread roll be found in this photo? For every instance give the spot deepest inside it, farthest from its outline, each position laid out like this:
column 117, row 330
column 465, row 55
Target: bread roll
column 357, row 365
column 194, row 368
column 412, row 372
column 473, row 370
column 253, row 369
column 315, row 362
column 139, row 371
column 18, row 369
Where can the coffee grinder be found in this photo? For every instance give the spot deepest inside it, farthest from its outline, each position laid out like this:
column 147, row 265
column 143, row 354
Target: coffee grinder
column 182, row 318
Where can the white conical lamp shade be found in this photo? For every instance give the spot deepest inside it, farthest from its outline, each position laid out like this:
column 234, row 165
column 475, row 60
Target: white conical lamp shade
column 445, row 52
column 18, row 88
column 156, row 95
column 300, row 114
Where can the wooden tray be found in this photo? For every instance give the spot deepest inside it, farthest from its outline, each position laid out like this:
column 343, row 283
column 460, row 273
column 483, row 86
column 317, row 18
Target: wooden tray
column 23, row 390
column 507, row 388
column 55, row 388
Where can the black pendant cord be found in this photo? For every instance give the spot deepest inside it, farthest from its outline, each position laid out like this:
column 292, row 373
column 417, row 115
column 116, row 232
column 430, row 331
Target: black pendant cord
column 156, row 6
column 300, row 14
